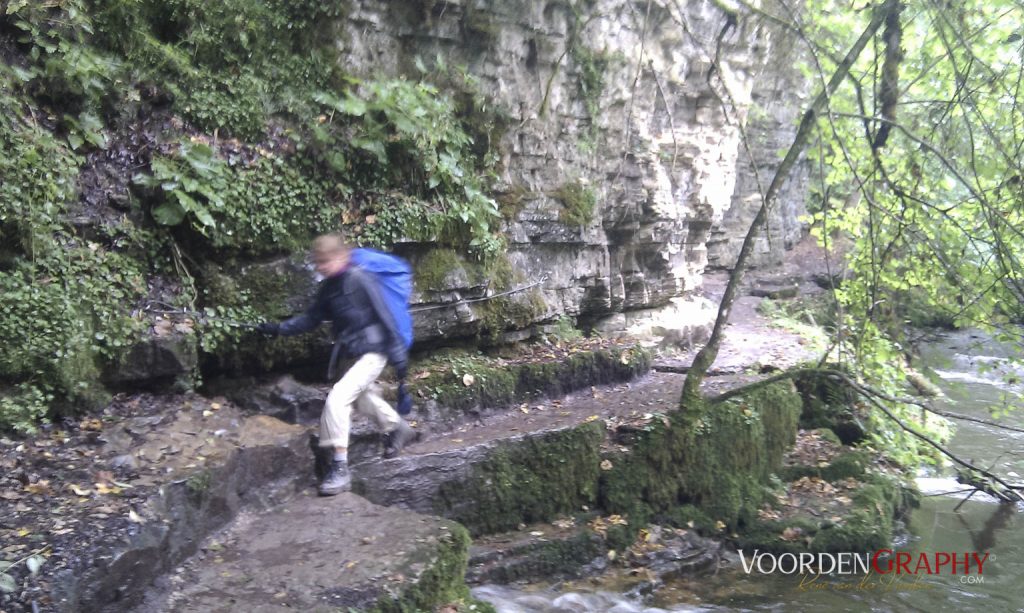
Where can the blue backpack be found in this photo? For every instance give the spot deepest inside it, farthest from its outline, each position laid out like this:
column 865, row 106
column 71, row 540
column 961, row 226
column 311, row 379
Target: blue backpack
column 394, row 277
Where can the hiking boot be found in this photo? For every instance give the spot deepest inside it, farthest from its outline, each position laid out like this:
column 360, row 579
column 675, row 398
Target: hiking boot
column 337, row 480
column 398, row 438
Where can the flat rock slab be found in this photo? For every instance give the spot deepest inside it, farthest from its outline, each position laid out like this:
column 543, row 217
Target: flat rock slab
column 312, row 554
column 539, row 552
column 416, row 479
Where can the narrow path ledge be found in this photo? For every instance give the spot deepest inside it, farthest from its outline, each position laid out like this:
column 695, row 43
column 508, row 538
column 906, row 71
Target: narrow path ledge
column 337, row 553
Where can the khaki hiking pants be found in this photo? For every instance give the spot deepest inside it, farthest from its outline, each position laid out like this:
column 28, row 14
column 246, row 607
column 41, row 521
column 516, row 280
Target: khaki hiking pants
column 357, row 387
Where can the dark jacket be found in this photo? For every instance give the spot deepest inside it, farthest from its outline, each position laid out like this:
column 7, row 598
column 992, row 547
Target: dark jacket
column 360, row 320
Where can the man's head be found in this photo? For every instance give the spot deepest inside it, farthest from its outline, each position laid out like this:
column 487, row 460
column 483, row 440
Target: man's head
column 330, row 254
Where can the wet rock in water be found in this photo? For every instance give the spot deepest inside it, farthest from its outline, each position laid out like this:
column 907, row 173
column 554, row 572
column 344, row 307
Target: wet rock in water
column 538, row 552
column 671, row 553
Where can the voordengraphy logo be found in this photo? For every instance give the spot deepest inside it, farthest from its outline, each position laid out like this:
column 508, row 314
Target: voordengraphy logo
column 882, row 562
column 884, row 570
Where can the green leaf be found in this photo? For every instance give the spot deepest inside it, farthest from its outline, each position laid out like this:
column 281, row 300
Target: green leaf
column 24, row 75
column 373, row 146
column 169, row 214
column 352, row 106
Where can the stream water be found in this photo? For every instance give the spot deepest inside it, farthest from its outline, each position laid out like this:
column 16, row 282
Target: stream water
column 975, row 377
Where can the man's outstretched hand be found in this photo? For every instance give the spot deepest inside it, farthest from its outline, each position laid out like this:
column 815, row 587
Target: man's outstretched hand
column 269, row 328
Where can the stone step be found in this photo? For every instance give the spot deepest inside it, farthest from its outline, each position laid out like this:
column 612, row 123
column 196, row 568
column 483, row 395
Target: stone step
column 322, row 554
column 512, row 468
column 192, row 471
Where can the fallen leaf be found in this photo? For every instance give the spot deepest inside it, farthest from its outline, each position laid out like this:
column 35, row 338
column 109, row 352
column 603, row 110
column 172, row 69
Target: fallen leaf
column 134, row 517
column 103, row 488
column 606, row 465
column 39, row 487
column 90, row 424
column 79, row 491
column 591, row 418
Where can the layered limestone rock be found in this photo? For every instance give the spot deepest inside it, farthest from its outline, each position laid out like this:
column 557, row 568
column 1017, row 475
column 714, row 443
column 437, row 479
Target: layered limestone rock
column 619, row 160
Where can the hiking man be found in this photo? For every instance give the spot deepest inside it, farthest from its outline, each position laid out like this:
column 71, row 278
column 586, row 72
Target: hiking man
column 365, row 329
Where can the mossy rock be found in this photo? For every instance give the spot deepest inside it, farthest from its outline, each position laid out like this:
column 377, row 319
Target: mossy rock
column 273, row 290
column 442, row 584
column 496, row 384
column 716, row 457
column 687, row 516
column 767, row 535
column 540, row 559
column 579, row 203
column 828, row 403
column 868, row 525
column 443, row 269
column 534, row 479
column 849, row 464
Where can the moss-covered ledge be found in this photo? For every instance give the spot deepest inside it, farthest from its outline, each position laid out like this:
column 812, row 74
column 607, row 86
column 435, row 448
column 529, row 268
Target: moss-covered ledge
column 711, row 464
column 534, row 479
column 835, row 498
column 460, row 381
column 862, row 516
column 442, row 583
column 715, row 457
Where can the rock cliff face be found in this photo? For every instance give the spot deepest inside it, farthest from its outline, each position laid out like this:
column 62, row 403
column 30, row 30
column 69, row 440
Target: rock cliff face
column 625, row 171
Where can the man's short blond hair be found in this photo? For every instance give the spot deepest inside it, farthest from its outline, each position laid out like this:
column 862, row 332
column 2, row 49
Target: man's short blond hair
column 329, row 244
